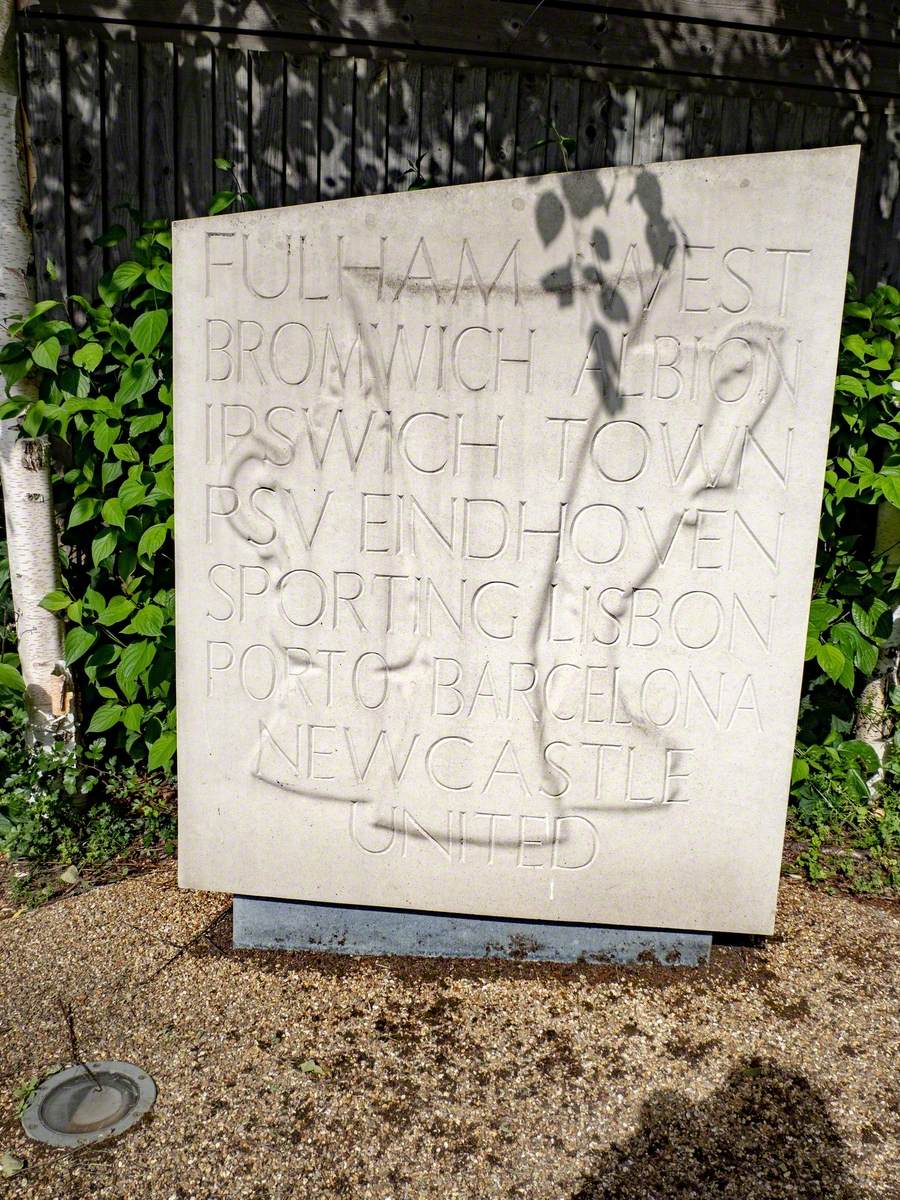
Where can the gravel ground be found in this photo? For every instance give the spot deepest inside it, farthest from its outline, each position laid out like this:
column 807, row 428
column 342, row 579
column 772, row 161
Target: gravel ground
column 771, row 1073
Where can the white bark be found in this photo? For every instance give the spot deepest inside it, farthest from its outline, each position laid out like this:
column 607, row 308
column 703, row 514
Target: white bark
column 25, row 462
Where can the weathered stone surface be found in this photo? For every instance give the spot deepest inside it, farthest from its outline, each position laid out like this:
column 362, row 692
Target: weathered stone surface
column 496, row 520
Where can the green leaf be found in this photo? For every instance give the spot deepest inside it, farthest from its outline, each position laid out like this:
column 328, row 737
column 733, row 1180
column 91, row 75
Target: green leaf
column 105, row 717
column 126, row 274
column 135, row 659
column 831, row 660
column 134, row 715
column 42, row 306
column 862, row 752
column 890, row 489
column 821, row 614
column 161, row 277
column 89, row 356
column 112, row 237
column 856, row 345
column 83, row 510
column 104, row 435
column 136, row 380
column 148, row 621
column 131, row 493
column 11, row 678
column 56, row 601
column 148, row 329
column 799, row 771
column 162, row 751
column 858, row 310
column 145, row 423
column 117, row 610
column 103, row 546
column 866, row 619
column 221, row 201
column 46, row 354
column 151, row 540
column 866, row 656
column 853, row 387
column 125, row 452
column 113, row 513
column 223, row 164
column 78, row 641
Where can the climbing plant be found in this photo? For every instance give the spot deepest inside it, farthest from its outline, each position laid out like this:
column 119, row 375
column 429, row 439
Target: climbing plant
column 856, row 587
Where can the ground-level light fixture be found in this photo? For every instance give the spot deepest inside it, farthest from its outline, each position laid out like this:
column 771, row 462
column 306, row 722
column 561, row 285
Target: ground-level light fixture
column 87, row 1103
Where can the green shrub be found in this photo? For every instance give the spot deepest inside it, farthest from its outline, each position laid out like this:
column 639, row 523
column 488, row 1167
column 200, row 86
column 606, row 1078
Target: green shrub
column 855, row 589
column 104, row 373
column 73, row 804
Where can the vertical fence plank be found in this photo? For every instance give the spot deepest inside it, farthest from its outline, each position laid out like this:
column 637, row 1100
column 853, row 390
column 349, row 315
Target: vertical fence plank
column 593, row 125
column 816, row 126
column 620, row 142
column 157, row 129
column 336, row 131
column 763, row 125
column 532, row 124
column 500, row 124
column 370, row 128
column 121, row 121
column 847, row 125
column 882, row 229
column 469, row 122
column 789, row 128
column 677, row 131
column 404, row 113
column 564, row 116
column 706, row 125
column 868, row 130
column 231, row 130
column 301, row 130
column 43, row 101
column 649, row 125
column 735, row 125
column 84, row 162
column 436, row 136
column 194, row 129
column 267, row 127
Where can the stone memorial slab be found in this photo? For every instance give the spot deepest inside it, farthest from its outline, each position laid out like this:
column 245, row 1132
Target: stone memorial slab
column 496, row 515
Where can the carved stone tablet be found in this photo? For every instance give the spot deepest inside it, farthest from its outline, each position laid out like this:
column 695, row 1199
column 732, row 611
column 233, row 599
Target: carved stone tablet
column 496, row 521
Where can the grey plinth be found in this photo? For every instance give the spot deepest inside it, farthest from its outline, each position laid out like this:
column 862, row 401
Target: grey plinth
column 265, row 924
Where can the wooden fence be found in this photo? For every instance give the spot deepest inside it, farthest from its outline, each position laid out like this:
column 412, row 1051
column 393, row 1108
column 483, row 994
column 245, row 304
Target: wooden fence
column 130, row 102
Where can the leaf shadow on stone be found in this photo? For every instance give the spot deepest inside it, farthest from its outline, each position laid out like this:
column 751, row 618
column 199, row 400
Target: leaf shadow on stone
column 764, row 1134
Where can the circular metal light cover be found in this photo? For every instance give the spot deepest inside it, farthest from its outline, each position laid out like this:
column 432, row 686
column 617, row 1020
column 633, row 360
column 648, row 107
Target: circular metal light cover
column 68, row 1108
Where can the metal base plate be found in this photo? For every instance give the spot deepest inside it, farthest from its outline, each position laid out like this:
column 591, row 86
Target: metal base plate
column 264, row 924
column 73, row 1108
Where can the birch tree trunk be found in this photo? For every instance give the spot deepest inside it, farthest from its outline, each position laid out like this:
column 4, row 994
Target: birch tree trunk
column 25, row 462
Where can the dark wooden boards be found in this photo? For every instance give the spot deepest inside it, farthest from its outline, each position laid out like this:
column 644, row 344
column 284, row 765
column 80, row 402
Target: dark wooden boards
column 852, row 54
column 303, row 127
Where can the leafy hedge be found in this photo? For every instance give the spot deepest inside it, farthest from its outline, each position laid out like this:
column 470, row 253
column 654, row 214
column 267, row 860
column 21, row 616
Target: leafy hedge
column 104, row 373
column 850, row 615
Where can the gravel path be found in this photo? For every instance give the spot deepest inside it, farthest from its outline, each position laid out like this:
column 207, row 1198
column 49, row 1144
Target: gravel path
column 772, row 1073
